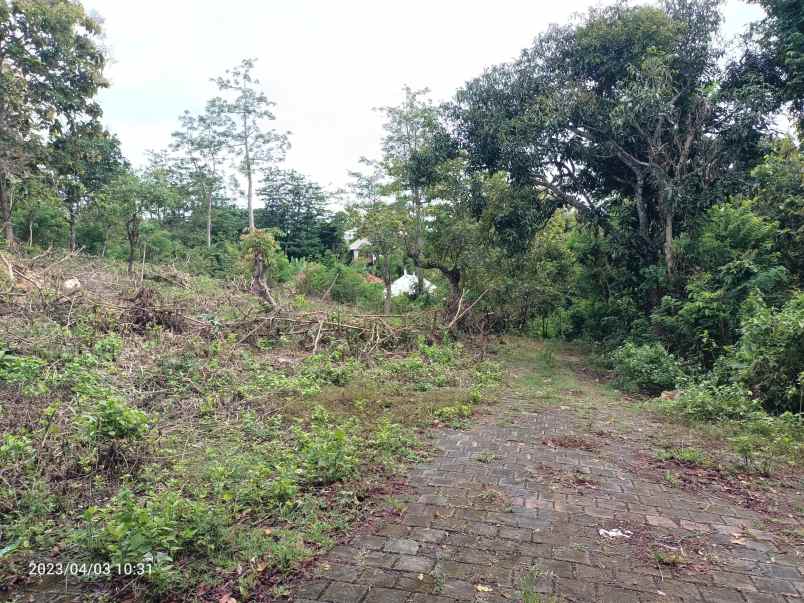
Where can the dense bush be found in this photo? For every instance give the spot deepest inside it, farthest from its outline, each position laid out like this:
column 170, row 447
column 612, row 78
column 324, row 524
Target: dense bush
column 156, row 528
column 346, row 284
column 769, row 357
column 709, row 402
column 648, row 367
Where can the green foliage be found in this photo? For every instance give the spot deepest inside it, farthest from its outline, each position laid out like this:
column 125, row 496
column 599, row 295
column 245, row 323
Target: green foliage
column 764, row 441
column 709, row 402
column 113, row 420
column 690, row 456
column 391, row 440
column 109, row 347
column 769, row 357
column 345, row 284
column 329, row 450
column 454, row 415
column 158, row 528
column 276, row 267
column 16, row 449
column 648, row 367
column 23, row 370
column 329, row 368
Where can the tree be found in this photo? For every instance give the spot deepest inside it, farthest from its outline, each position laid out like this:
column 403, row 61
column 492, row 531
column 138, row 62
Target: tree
column 296, row 207
column 777, row 55
column 622, row 111
column 202, row 145
column 39, row 210
column 84, row 158
column 411, row 131
column 382, row 225
column 50, row 68
column 243, row 114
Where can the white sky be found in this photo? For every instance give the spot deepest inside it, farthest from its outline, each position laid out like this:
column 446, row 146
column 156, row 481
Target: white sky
column 326, row 63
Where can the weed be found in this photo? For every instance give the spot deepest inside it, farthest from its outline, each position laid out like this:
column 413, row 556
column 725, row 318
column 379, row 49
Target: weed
column 688, row 456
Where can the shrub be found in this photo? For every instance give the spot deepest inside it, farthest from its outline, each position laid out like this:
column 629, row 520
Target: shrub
column 109, row 347
column 329, row 451
column 765, row 441
column 112, row 419
column 707, row 401
column 15, row 449
column 648, row 367
column 769, row 356
column 393, row 440
column 157, row 528
column 346, row 284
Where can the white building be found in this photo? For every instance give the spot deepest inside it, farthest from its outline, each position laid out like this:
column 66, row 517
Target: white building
column 406, row 285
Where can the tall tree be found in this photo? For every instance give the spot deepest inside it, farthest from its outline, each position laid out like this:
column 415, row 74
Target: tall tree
column 50, row 68
column 202, row 145
column 245, row 112
column 295, row 206
column 411, row 129
column 84, row 158
column 621, row 110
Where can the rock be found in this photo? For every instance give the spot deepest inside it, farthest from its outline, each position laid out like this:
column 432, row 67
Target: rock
column 71, row 285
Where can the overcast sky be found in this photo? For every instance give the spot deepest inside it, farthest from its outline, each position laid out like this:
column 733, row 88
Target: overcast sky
column 325, row 63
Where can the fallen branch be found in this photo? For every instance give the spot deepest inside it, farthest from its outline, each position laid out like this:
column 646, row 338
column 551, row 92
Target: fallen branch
column 469, row 307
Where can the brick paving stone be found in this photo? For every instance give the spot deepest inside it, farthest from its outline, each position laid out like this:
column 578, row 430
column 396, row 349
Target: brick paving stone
column 386, row 595
column 343, row 592
column 541, row 522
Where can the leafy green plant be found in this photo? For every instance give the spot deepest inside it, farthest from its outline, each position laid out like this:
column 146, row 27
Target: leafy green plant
column 16, row 449
column 770, row 354
column 112, row 419
column 648, row 367
column 706, row 401
column 391, row 440
column 157, row 528
column 329, row 450
column 109, row 347
column 454, row 415
column 690, row 456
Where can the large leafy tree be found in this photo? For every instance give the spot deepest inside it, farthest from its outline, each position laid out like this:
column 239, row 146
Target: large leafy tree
column 244, row 113
column 201, row 144
column 85, row 157
column 412, row 145
column 50, row 68
column 618, row 114
column 777, row 54
column 295, row 206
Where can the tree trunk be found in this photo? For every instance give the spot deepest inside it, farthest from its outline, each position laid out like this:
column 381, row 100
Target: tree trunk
column 71, row 219
column 30, row 233
column 5, row 213
column 454, row 280
column 386, row 279
column 247, row 161
column 209, row 219
column 258, row 284
column 668, row 242
column 133, row 232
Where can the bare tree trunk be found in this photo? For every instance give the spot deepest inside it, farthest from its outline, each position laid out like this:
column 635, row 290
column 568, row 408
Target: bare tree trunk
column 209, row 219
column 668, row 242
column 5, row 213
column 247, row 160
column 71, row 219
column 386, row 278
column 30, row 233
column 258, row 285
column 133, row 232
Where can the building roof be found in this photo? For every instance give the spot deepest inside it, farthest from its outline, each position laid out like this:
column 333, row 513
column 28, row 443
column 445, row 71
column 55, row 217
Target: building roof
column 359, row 244
column 406, row 284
